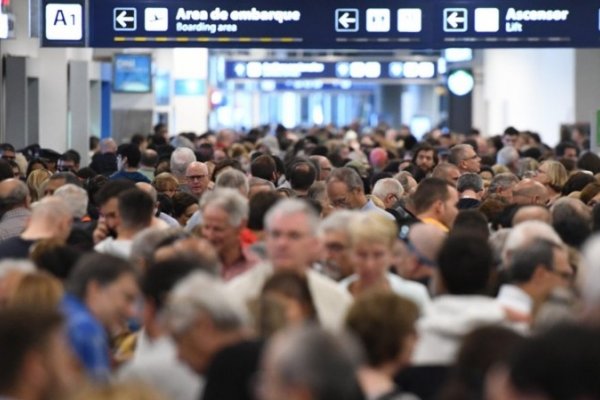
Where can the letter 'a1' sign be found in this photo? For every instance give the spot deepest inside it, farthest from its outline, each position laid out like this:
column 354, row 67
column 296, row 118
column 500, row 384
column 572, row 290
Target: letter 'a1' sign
column 64, row 23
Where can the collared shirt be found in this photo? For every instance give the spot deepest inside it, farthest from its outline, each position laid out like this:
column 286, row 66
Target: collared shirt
column 246, row 261
column 514, row 298
column 435, row 222
column 370, row 206
column 13, row 222
column 87, row 337
column 148, row 172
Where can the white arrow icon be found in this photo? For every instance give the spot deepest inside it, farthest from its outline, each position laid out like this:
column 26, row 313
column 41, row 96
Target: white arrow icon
column 453, row 19
column 346, row 20
column 122, row 19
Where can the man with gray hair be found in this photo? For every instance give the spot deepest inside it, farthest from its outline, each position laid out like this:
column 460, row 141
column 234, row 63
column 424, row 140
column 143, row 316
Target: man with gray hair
column 234, row 179
column 196, row 178
column 181, row 158
column 312, row 364
column 470, row 191
column 256, row 185
column 200, row 304
column 389, row 191
column 502, row 185
column 526, row 232
column 75, row 197
column 14, row 205
column 335, row 243
column 50, row 218
column 534, row 272
column 508, row 156
column 465, row 158
column 225, row 214
column 292, row 244
column 346, row 191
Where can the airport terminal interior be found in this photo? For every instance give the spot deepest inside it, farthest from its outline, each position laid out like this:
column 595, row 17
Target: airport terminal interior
column 276, row 200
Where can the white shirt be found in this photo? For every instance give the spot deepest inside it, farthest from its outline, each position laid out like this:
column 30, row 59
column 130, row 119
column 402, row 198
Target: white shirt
column 331, row 302
column 115, row 247
column 514, row 298
column 156, row 363
column 414, row 291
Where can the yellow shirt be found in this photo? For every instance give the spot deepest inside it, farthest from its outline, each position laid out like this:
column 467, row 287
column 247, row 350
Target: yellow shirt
column 435, row 222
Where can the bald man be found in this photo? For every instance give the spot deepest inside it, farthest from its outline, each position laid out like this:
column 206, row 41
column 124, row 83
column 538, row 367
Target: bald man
column 530, row 192
column 197, row 179
column 448, row 172
column 423, row 244
column 159, row 219
column 14, row 206
column 532, row 213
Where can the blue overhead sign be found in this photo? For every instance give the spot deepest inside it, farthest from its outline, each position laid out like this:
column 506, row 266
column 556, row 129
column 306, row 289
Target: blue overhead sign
column 333, row 24
column 354, row 70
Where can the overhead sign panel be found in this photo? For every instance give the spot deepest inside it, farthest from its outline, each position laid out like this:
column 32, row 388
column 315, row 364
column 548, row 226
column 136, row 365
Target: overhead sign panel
column 332, row 70
column 345, row 24
column 63, row 23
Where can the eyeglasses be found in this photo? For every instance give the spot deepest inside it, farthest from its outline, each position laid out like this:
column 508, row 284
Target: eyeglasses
column 567, row 276
column 472, row 157
column 196, row 177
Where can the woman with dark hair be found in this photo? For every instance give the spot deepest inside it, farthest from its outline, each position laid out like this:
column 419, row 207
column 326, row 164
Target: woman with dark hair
column 285, row 301
column 384, row 323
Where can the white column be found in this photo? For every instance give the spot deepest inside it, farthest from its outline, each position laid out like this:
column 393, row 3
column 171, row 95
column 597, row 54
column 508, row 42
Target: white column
column 530, row 90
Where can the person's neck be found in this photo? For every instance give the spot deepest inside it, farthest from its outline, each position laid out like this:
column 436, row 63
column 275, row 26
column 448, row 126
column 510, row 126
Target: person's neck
column 126, row 233
column 534, row 294
column 469, row 194
column 375, row 382
column 36, row 232
column 429, row 215
column 129, row 169
column 359, row 287
column 362, row 201
column 231, row 254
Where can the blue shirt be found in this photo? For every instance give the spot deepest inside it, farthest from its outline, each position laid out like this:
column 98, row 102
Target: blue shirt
column 87, row 338
column 132, row 176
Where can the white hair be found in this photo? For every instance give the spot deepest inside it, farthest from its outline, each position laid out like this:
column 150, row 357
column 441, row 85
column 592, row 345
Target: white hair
column 234, row 179
column 9, row 265
column 337, row 221
column 507, row 156
column 181, row 158
column 200, row 293
column 256, row 181
column 289, row 207
column 50, row 210
column 387, row 186
column 525, row 233
column 75, row 197
column 229, row 200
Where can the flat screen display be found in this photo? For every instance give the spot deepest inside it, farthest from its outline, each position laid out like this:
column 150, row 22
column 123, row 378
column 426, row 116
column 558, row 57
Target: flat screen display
column 132, row 73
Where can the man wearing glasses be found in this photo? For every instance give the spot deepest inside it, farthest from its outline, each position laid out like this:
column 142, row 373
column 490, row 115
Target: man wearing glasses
column 535, row 271
column 196, row 176
column 465, row 158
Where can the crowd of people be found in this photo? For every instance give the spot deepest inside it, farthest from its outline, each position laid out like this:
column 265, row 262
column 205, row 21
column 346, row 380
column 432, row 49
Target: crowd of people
column 322, row 264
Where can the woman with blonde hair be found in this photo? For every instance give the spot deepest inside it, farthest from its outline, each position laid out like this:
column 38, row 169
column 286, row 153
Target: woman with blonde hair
column 37, row 290
column 553, row 175
column 372, row 238
column 36, row 181
column 166, row 183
